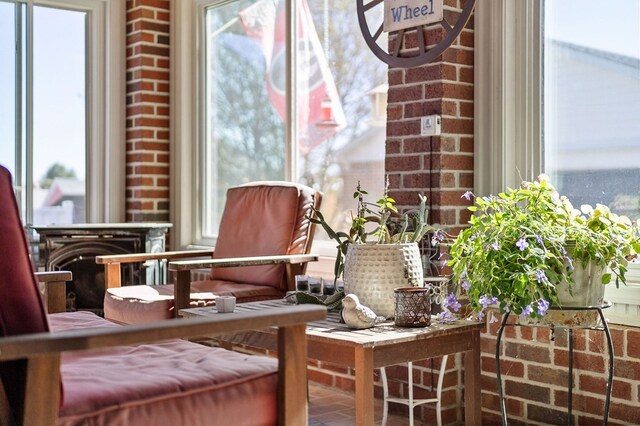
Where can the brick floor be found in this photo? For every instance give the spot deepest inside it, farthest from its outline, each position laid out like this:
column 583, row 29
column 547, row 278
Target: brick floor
column 331, row 407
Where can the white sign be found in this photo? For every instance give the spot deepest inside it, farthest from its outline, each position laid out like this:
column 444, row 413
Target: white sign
column 401, row 14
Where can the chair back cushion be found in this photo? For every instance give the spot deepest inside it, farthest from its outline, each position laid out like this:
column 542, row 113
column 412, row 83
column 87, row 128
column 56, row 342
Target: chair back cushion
column 21, row 306
column 264, row 219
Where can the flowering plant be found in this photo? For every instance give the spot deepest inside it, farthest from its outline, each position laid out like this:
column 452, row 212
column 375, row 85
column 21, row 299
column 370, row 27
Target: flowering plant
column 521, row 244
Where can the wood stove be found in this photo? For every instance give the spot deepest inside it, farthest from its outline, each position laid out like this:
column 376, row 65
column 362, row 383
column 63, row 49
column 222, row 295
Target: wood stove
column 74, row 248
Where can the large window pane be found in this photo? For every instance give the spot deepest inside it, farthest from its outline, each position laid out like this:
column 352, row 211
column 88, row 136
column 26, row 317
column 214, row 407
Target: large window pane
column 592, row 101
column 341, row 106
column 7, row 86
column 244, row 134
column 59, row 99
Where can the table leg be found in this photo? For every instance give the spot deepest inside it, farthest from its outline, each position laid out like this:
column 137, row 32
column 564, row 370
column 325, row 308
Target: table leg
column 472, row 386
column 364, row 386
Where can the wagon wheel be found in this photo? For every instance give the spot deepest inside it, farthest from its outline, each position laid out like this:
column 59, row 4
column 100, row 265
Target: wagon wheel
column 368, row 9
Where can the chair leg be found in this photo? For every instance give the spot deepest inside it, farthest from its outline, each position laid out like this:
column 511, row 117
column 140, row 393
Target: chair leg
column 385, row 395
column 443, row 369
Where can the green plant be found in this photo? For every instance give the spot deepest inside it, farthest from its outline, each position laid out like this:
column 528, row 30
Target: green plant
column 389, row 226
column 522, row 243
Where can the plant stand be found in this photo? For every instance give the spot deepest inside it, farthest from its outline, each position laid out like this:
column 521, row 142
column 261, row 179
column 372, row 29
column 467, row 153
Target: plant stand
column 604, row 328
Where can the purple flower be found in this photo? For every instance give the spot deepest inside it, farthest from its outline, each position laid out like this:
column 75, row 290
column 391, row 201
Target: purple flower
column 467, row 195
column 465, row 285
column 493, row 246
column 493, row 318
column 522, row 244
column 540, row 276
column 451, row 301
column 480, row 315
column 485, row 300
column 446, row 317
column 543, row 305
column 526, row 311
column 539, row 240
column 569, row 261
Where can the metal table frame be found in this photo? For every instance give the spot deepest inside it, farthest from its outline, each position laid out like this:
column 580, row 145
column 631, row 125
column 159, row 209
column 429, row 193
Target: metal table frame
column 605, row 328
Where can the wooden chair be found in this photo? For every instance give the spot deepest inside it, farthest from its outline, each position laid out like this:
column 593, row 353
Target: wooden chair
column 263, row 242
column 91, row 371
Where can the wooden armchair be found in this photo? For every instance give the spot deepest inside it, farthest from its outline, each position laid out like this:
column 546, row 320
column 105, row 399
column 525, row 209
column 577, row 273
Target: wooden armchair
column 91, row 371
column 263, row 242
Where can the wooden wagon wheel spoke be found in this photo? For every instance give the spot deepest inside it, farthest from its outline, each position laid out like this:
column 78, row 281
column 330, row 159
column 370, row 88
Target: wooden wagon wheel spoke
column 393, row 55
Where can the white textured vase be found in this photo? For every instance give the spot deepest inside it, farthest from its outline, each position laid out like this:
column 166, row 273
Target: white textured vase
column 373, row 271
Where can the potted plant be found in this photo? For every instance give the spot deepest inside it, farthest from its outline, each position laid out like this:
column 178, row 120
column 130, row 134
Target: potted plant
column 528, row 248
column 380, row 250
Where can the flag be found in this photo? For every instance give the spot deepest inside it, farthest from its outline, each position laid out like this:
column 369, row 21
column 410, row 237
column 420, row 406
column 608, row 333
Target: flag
column 264, row 21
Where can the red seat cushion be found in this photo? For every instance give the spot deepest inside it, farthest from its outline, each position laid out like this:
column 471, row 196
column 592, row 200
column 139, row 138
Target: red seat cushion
column 173, row 382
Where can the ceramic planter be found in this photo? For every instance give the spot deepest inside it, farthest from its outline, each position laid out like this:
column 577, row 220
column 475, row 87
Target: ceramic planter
column 373, row 271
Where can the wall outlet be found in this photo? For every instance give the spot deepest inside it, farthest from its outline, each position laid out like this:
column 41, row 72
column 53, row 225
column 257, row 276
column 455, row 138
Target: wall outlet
column 430, row 125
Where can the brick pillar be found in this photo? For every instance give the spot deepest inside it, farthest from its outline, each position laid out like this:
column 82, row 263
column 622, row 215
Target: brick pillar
column 147, row 144
column 439, row 166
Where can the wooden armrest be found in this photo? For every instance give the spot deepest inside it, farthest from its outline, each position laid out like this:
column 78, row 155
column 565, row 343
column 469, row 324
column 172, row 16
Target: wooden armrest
column 55, row 289
column 37, row 344
column 142, row 257
column 112, row 263
column 187, row 265
column 47, row 276
column 295, row 265
column 41, row 397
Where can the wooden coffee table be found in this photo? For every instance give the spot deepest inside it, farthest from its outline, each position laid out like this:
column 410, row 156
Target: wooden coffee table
column 380, row 346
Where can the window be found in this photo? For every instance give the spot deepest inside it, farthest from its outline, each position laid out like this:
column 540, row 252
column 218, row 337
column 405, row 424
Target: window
column 251, row 125
column 562, row 98
column 55, row 113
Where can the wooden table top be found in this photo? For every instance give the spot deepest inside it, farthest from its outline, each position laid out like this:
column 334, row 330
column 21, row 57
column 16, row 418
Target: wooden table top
column 332, row 330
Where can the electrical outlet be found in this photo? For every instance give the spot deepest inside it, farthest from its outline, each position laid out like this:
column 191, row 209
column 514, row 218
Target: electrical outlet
column 430, row 125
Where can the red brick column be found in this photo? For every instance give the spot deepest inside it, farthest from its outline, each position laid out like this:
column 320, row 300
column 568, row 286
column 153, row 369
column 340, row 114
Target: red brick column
column 147, row 144
column 439, row 166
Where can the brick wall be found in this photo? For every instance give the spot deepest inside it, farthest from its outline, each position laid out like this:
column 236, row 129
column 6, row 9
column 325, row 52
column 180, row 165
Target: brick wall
column 147, row 137
column 534, row 367
column 439, row 166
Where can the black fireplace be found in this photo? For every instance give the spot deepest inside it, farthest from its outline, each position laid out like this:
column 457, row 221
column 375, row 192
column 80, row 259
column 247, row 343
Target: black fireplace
column 74, row 248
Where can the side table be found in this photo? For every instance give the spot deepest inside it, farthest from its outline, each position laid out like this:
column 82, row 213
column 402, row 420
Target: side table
column 604, row 327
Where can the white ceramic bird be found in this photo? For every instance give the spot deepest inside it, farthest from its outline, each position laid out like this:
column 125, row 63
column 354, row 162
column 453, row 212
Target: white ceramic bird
column 356, row 315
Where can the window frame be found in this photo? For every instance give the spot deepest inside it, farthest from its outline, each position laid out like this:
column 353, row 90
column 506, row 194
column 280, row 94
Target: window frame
column 105, row 153
column 509, row 112
column 187, row 109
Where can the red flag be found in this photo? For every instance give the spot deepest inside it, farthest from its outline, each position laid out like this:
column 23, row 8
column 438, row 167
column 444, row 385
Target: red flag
column 316, row 89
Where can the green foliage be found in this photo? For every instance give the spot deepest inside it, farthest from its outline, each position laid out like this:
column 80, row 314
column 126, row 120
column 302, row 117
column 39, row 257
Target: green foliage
column 56, row 170
column 521, row 244
column 390, row 227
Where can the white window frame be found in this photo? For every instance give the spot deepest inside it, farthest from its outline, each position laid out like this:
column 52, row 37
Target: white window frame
column 105, row 54
column 508, row 115
column 187, row 108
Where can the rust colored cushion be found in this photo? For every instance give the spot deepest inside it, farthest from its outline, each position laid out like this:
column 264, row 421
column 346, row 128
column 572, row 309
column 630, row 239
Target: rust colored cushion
column 21, row 305
column 263, row 219
column 170, row 383
column 147, row 303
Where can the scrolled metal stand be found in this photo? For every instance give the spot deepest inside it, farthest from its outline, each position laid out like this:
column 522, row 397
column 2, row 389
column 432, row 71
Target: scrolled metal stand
column 605, row 328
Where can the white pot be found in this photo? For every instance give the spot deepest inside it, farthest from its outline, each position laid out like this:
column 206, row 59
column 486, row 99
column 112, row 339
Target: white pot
column 373, row 271
column 586, row 290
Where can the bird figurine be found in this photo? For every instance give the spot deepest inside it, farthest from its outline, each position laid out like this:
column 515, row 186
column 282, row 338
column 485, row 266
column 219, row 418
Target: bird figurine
column 356, row 315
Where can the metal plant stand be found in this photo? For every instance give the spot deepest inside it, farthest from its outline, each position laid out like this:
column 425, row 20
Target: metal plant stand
column 604, row 328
